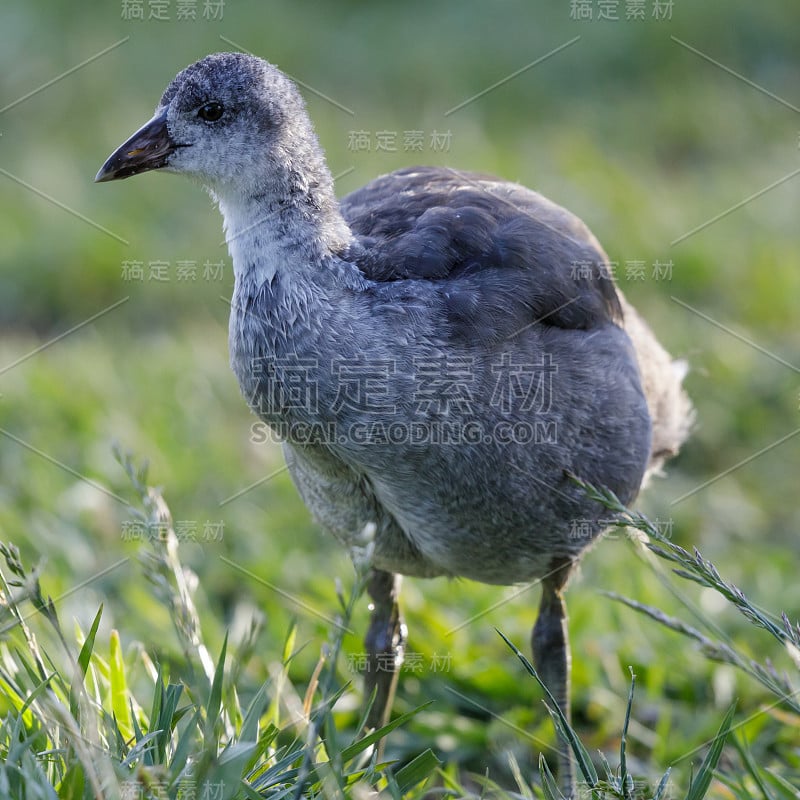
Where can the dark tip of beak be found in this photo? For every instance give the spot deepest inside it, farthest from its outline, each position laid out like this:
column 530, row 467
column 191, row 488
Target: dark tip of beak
column 149, row 148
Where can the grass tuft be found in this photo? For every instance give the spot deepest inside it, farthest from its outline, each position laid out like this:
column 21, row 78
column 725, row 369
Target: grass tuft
column 80, row 719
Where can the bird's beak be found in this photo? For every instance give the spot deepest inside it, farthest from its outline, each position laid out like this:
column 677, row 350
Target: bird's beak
column 148, row 148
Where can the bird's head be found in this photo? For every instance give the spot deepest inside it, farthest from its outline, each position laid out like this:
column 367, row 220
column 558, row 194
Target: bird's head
column 233, row 121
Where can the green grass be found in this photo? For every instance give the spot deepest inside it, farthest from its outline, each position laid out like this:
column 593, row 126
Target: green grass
column 82, row 719
column 73, row 726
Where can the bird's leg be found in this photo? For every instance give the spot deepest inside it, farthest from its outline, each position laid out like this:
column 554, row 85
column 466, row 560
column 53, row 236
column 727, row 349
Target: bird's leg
column 550, row 644
column 385, row 642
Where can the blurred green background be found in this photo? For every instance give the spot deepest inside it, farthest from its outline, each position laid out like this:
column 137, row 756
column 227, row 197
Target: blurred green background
column 675, row 136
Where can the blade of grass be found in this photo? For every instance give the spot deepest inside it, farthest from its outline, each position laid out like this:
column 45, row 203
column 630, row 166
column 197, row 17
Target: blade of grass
column 662, row 786
column 350, row 752
column 214, row 704
column 85, row 655
column 699, row 786
column 186, row 741
column 562, row 725
column 417, row 770
column 752, row 767
column 788, row 791
column 249, row 729
column 626, row 781
column 549, row 786
column 119, row 686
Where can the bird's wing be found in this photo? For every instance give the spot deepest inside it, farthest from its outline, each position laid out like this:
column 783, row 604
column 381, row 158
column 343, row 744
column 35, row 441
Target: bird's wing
column 490, row 246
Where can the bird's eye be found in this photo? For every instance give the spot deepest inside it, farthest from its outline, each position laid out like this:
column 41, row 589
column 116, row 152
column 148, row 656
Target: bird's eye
column 210, row 112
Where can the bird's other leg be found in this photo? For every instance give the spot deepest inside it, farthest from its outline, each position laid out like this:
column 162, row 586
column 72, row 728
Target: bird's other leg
column 385, row 642
column 550, row 644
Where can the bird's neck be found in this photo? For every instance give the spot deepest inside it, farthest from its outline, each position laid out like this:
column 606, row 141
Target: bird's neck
column 282, row 227
column 292, row 289
column 291, row 284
